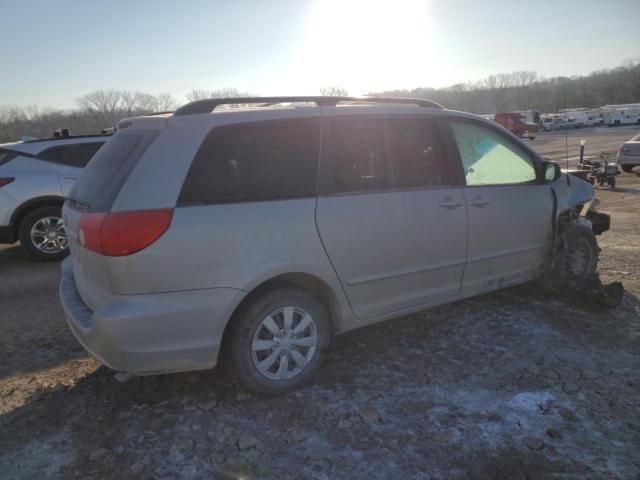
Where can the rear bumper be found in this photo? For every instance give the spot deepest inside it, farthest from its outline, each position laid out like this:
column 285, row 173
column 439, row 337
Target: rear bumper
column 154, row 333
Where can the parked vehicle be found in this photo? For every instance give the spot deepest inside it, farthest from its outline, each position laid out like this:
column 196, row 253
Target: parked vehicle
column 629, row 154
column 256, row 234
column 529, row 116
column 601, row 171
column 35, row 176
column 517, row 124
column 581, row 117
column 618, row 115
column 550, row 123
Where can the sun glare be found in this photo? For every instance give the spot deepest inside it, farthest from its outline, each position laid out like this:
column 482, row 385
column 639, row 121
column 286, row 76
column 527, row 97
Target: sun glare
column 368, row 45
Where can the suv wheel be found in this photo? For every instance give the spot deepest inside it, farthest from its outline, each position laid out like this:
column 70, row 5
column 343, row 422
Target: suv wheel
column 627, row 168
column 579, row 259
column 42, row 234
column 278, row 342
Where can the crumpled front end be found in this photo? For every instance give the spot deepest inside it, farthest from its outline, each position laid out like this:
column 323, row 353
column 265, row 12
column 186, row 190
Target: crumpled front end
column 574, row 198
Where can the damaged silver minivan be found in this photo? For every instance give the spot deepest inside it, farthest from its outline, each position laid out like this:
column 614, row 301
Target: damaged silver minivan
column 256, row 233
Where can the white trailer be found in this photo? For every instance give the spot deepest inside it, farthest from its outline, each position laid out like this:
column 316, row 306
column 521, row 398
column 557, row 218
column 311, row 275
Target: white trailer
column 555, row 121
column 625, row 114
column 582, row 117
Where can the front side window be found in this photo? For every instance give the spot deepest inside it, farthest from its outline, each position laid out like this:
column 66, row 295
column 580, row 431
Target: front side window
column 267, row 160
column 373, row 154
column 489, row 158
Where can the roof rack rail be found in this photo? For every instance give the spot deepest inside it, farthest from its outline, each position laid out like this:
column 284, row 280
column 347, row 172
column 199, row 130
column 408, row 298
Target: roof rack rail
column 153, row 114
column 70, row 137
column 210, row 104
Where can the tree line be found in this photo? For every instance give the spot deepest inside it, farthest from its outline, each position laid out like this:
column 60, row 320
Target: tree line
column 521, row 90
column 525, row 90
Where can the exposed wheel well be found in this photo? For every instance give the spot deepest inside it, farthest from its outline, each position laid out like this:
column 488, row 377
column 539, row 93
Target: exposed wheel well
column 304, row 281
column 27, row 207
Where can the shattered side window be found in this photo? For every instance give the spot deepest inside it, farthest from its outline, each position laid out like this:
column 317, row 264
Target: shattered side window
column 490, row 159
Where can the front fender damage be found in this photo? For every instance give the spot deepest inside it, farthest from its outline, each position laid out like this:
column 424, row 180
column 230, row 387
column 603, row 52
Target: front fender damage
column 574, row 201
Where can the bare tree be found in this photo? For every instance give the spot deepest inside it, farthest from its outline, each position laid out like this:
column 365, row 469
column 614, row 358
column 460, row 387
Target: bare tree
column 104, row 105
column 522, row 81
column 500, row 92
column 226, row 92
column 333, row 91
column 165, row 102
column 146, row 102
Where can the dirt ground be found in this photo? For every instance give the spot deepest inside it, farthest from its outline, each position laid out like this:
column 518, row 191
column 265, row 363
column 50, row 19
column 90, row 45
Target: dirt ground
column 517, row 384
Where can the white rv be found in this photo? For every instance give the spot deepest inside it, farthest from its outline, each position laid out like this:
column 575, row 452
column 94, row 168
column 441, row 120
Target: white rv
column 615, row 115
column 555, row 121
column 582, row 117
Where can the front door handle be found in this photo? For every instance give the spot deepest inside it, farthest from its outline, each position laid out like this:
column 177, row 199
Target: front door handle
column 450, row 204
column 479, row 203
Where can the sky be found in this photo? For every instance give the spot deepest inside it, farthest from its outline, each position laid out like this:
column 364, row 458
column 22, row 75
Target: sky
column 52, row 52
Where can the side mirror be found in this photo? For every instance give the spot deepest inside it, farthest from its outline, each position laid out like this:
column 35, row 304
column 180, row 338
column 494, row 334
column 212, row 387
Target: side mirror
column 552, row 171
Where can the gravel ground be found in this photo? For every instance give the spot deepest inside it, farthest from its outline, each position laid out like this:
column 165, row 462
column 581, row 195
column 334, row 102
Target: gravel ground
column 514, row 384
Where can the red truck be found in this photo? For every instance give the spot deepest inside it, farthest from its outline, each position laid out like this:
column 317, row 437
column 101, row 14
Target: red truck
column 516, row 123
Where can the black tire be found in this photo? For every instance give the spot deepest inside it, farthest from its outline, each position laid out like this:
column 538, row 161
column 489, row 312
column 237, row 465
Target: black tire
column 237, row 350
column 578, row 240
column 24, row 234
column 627, row 168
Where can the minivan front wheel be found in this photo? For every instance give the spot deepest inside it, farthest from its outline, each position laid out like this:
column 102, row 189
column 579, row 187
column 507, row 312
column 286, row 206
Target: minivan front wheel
column 42, row 234
column 579, row 258
column 278, row 341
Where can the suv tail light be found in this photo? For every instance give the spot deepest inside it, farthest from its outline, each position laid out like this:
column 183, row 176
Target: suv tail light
column 6, row 180
column 623, row 149
column 117, row 234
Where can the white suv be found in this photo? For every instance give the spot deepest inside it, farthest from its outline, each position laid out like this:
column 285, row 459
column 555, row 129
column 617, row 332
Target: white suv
column 35, row 177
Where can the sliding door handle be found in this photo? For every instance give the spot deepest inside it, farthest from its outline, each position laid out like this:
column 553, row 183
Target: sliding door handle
column 479, row 203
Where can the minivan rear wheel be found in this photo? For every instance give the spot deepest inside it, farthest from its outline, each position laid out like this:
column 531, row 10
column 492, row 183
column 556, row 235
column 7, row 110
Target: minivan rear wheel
column 42, row 234
column 278, row 341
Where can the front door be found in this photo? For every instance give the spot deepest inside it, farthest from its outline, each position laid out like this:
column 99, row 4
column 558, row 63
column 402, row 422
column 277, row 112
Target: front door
column 510, row 210
column 390, row 216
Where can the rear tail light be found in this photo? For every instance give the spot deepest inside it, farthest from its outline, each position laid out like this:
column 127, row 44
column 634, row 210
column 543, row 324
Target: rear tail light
column 6, row 180
column 623, row 149
column 117, row 234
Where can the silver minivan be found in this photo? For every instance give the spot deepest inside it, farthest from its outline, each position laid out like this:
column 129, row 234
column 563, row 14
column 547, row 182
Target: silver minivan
column 257, row 232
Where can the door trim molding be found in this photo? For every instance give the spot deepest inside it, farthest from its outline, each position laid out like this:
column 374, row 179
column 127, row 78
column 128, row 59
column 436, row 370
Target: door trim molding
column 374, row 277
column 504, row 253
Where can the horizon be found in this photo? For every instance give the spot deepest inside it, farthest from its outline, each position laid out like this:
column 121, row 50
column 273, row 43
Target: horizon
column 421, row 44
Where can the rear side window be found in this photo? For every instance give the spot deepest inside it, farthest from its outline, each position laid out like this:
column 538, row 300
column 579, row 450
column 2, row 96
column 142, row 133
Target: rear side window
column 380, row 154
column 101, row 181
column 77, row 155
column 489, row 158
column 245, row 162
column 7, row 155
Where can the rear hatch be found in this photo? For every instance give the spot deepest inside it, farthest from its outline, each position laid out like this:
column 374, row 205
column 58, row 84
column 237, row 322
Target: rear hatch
column 95, row 193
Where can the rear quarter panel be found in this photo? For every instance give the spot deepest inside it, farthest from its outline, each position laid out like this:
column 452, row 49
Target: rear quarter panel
column 237, row 245
column 33, row 179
